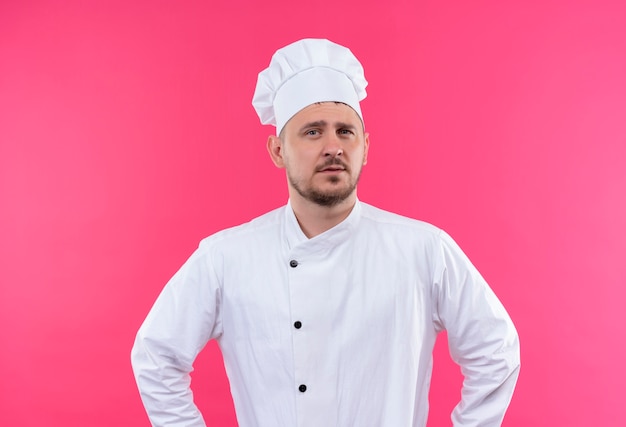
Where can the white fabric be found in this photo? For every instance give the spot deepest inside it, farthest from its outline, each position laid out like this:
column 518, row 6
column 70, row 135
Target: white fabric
column 371, row 294
column 308, row 87
column 306, row 72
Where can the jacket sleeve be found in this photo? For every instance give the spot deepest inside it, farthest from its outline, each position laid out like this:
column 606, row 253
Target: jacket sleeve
column 481, row 337
column 184, row 317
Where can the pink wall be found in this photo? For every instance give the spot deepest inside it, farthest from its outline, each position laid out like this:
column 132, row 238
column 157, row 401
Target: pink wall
column 127, row 135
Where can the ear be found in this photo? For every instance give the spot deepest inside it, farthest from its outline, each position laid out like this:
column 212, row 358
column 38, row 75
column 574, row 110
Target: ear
column 275, row 149
column 366, row 149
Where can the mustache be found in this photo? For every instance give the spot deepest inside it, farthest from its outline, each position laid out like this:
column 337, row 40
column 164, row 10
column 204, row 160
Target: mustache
column 335, row 161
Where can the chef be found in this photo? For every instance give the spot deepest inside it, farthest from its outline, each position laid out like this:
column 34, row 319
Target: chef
column 326, row 310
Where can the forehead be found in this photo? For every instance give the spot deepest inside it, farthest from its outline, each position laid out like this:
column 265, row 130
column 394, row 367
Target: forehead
column 329, row 112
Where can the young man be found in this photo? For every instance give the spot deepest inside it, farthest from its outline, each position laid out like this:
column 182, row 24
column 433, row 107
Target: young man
column 327, row 309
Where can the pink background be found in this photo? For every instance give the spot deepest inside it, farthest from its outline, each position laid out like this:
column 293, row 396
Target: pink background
column 127, row 135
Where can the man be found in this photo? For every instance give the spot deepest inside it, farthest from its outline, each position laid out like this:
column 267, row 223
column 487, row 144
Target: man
column 327, row 309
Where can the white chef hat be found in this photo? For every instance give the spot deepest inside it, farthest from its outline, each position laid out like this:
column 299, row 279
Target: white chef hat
column 306, row 72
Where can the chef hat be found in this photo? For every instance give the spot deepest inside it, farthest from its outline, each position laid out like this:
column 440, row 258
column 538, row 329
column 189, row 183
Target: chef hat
column 306, row 72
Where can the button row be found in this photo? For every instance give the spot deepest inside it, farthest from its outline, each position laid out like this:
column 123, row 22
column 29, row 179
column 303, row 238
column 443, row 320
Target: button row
column 297, row 324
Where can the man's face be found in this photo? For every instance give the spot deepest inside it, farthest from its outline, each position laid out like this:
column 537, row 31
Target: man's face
column 323, row 149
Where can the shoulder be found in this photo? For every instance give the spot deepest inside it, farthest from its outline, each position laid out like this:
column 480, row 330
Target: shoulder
column 394, row 223
column 256, row 229
column 408, row 230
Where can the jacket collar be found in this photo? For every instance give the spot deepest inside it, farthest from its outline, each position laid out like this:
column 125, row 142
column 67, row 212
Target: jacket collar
column 296, row 238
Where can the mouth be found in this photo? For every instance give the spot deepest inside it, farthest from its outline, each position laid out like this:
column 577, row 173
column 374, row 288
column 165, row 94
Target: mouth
column 332, row 168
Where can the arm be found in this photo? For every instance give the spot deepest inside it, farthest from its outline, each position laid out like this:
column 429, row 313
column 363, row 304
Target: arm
column 481, row 338
column 182, row 320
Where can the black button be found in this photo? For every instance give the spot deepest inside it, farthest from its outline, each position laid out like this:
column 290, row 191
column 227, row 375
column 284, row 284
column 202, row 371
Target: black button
column 293, row 263
column 302, row 388
column 297, row 324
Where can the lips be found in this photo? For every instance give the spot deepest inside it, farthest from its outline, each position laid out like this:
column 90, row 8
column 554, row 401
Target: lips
column 332, row 167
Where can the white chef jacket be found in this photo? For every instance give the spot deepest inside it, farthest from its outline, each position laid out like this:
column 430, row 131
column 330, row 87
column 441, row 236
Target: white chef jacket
column 336, row 330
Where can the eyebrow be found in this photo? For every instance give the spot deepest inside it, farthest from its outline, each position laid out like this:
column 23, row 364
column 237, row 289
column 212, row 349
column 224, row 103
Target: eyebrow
column 324, row 123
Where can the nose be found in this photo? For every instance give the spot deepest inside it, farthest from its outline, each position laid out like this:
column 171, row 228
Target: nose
column 333, row 147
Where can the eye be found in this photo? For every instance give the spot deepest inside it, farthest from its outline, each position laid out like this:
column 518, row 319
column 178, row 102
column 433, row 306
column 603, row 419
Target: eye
column 312, row 132
column 345, row 132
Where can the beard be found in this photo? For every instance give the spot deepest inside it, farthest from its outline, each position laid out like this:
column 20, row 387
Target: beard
column 328, row 198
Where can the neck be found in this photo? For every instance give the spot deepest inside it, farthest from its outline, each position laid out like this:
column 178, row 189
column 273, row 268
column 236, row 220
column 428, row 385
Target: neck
column 315, row 219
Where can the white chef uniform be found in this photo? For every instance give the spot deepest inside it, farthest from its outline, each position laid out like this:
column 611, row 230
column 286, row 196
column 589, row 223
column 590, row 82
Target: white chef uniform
column 336, row 330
